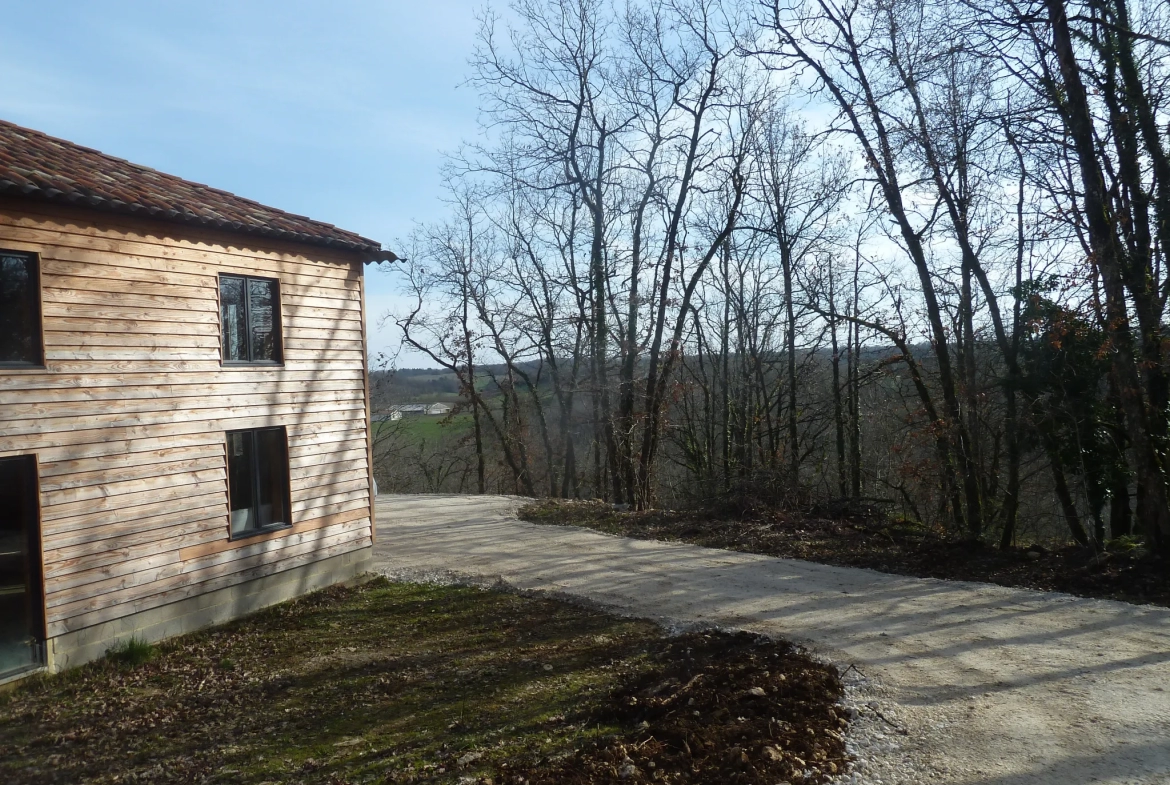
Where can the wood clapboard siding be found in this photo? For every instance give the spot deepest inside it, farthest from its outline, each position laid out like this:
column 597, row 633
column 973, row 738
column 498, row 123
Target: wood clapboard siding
column 127, row 420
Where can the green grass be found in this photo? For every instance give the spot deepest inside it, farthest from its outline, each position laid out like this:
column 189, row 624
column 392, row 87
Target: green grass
column 132, row 652
column 427, row 427
column 383, row 683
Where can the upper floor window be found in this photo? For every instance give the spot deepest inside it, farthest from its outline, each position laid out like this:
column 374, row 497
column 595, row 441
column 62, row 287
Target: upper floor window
column 20, row 310
column 249, row 315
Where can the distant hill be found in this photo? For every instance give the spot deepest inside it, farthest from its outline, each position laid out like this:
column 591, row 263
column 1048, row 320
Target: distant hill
column 429, row 385
column 415, row 385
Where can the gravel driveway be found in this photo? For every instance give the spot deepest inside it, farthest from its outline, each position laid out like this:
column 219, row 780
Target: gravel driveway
column 953, row 682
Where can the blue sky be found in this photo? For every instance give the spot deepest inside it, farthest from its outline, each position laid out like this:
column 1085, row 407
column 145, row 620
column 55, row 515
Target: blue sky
column 340, row 111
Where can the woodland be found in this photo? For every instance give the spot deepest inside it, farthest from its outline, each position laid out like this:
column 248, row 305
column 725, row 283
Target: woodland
column 907, row 255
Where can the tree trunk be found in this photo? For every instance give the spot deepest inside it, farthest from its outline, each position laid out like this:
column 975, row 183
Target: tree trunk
column 1108, row 256
column 838, row 408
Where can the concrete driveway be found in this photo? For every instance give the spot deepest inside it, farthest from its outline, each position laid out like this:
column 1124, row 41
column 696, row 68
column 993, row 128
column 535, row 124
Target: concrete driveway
column 992, row 686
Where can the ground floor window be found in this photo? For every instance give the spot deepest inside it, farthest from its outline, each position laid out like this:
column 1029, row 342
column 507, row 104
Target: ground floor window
column 22, row 606
column 258, row 480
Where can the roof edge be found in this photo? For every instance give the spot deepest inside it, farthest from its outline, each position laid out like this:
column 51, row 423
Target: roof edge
column 369, row 248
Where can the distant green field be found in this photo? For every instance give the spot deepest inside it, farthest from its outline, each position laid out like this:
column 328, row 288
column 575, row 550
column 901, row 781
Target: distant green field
column 428, row 427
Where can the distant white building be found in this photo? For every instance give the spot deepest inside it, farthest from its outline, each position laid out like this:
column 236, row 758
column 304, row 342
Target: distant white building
column 408, row 409
column 414, row 409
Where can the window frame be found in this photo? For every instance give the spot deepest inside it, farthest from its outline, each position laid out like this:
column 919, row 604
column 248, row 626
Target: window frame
column 38, row 317
column 277, row 321
column 255, row 477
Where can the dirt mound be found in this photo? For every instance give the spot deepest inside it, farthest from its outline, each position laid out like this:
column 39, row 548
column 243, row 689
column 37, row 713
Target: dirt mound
column 715, row 707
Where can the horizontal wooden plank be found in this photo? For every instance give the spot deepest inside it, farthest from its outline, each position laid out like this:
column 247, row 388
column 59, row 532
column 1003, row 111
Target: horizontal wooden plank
column 127, row 326
column 108, row 479
column 347, row 342
column 129, row 526
column 305, row 461
column 87, row 241
column 121, row 505
column 108, row 305
column 326, row 487
column 142, row 563
column 115, row 556
column 137, row 468
column 330, row 475
column 181, row 405
column 303, row 330
column 66, row 262
column 161, row 572
column 292, row 314
column 89, row 232
column 295, row 301
column 303, row 538
column 355, row 518
column 126, row 464
column 175, row 301
column 86, row 612
column 248, row 375
column 86, row 548
column 111, row 464
column 63, row 621
column 167, row 431
column 107, row 280
column 53, row 309
column 113, row 448
column 144, row 479
column 62, row 339
column 316, row 508
column 326, row 499
column 98, row 577
column 126, row 332
column 305, row 321
column 55, row 354
column 307, row 443
column 299, row 354
column 86, row 262
column 144, row 509
column 162, row 478
column 214, row 389
column 223, row 418
column 301, row 287
column 327, row 443
column 59, row 348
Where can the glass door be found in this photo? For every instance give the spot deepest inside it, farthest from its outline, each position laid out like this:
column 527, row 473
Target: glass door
column 21, row 604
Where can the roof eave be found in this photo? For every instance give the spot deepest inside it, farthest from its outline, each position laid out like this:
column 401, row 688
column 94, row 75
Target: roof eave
column 369, row 253
column 379, row 255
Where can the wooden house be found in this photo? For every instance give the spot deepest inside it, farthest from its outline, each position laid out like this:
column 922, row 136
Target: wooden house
column 183, row 404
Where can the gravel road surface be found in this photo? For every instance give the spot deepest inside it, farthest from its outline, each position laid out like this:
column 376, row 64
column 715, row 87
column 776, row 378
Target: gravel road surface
column 952, row 682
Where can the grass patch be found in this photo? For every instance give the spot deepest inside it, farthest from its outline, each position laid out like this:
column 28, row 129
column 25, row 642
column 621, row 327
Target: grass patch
column 427, row 427
column 132, row 652
column 390, row 683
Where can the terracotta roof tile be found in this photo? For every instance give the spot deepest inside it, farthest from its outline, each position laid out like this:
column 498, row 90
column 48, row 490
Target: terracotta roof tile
column 38, row 166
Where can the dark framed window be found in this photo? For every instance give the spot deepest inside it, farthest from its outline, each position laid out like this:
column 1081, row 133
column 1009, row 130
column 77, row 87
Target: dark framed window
column 249, row 318
column 257, row 462
column 20, row 311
